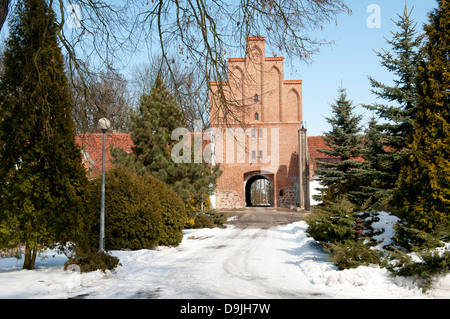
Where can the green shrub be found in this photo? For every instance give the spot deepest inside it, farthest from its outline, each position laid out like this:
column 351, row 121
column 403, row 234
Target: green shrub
column 332, row 226
column 208, row 219
column 173, row 215
column 140, row 211
column 90, row 259
column 332, row 222
column 203, row 221
column 218, row 218
column 352, row 254
column 431, row 265
column 425, row 246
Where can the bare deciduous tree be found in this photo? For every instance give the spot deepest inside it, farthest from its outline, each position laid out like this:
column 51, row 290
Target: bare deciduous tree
column 202, row 33
column 97, row 96
column 184, row 81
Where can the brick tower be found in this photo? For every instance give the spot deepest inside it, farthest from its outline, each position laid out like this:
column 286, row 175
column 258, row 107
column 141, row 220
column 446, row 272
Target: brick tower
column 260, row 139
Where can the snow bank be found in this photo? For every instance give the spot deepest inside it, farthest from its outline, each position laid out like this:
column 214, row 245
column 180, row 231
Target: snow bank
column 281, row 262
column 362, row 282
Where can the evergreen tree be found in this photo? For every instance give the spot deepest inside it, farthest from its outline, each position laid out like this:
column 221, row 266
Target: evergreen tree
column 344, row 143
column 42, row 179
column 372, row 175
column 423, row 192
column 397, row 116
column 151, row 128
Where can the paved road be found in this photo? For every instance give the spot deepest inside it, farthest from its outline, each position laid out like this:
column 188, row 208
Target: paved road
column 266, row 217
column 250, row 260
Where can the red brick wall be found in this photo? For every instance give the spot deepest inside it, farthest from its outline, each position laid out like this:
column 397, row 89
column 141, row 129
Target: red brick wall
column 279, row 106
column 91, row 145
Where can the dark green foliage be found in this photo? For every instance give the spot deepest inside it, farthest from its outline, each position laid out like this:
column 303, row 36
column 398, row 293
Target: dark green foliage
column 332, row 222
column 141, row 212
column 90, row 259
column 352, row 254
column 426, row 246
column 209, row 219
column 433, row 264
column 412, row 239
column 401, row 61
column 151, row 130
column 203, row 221
column 373, row 177
column 332, row 226
column 218, row 218
column 344, row 142
column 42, row 179
column 173, row 215
column 385, row 142
column 423, row 192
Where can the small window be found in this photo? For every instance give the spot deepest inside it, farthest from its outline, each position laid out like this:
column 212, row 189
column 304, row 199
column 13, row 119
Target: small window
column 260, row 154
column 253, row 133
column 260, row 133
column 281, row 192
column 256, row 97
column 253, row 154
column 256, row 116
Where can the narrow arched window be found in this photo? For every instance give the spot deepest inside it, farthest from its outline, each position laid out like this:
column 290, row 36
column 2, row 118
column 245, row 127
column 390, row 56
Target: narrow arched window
column 256, row 97
column 256, row 116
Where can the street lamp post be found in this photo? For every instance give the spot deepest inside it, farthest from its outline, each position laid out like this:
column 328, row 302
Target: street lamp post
column 104, row 125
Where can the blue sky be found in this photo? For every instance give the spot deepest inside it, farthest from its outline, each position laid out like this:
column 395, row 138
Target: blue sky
column 351, row 60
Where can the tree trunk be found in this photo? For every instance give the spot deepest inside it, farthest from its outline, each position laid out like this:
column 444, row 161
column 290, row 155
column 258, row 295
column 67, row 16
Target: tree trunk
column 4, row 10
column 27, row 260
column 30, row 257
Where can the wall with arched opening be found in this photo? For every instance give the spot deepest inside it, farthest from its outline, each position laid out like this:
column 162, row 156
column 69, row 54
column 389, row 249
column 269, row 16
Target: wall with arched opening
column 259, row 190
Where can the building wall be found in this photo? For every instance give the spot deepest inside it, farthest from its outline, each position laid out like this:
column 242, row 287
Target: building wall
column 91, row 146
column 256, row 85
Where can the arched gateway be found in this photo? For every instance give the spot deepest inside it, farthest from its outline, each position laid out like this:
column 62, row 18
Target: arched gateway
column 261, row 136
column 259, row 190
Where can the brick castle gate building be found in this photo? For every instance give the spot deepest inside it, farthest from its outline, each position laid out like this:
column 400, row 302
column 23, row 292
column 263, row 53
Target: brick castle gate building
column 263, row 138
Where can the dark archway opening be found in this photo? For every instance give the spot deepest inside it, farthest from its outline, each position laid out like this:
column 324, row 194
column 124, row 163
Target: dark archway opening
column 259, row 192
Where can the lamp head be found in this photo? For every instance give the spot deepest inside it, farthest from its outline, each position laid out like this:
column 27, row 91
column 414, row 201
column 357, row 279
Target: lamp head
column 104, row 124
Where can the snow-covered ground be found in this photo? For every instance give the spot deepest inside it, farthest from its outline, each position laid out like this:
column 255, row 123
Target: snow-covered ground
column 277, row 263
column 281, row 262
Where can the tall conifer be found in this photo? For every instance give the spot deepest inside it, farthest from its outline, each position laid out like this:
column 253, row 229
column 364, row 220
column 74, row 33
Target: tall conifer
column 373, row 174
column 42, row 179
column 344, row 144
column 423, row 192
column 151, row 127
column 397, row 114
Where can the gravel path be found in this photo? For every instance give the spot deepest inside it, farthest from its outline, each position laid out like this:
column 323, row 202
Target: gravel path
column 265, row 217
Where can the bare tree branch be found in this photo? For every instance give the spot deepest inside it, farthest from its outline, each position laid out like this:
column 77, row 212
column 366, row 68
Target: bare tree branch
column 202, row 33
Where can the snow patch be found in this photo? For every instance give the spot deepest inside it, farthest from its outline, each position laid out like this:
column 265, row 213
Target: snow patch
column 280, row 262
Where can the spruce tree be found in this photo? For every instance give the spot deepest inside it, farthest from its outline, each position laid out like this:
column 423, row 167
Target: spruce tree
column 373, row 174
column 42, row 179
column 397, row 115
column 423, row 192
column 151, row 127
column 344, row 143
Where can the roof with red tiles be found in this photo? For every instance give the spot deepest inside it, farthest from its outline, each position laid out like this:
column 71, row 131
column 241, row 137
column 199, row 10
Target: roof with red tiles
column 314, row 144
column 91, row 146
